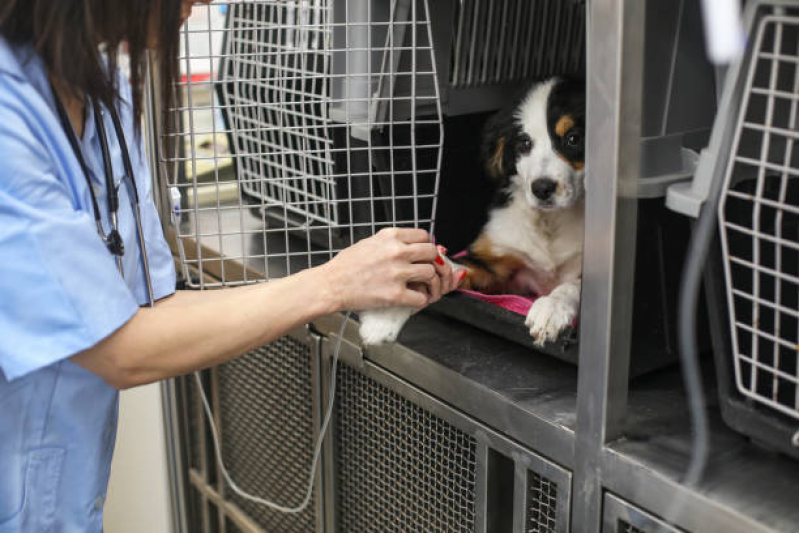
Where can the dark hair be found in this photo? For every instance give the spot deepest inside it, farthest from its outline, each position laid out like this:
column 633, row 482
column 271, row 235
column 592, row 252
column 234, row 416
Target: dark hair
column 68, row 34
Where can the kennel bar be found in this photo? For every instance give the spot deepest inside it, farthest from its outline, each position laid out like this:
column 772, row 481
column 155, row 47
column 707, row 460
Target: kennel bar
column 614, row 109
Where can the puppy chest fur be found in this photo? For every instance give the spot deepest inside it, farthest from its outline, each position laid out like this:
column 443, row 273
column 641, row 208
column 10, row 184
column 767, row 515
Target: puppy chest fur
column 546, row 244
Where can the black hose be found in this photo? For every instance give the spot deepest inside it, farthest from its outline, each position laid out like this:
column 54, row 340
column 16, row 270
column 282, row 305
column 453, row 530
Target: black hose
column 698, row 248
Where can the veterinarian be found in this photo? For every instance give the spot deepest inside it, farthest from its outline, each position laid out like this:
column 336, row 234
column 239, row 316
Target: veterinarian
column 72, row 330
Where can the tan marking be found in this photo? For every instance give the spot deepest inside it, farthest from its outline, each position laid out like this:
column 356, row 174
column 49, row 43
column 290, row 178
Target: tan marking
column 503, row 267
column 576, row 165
column 495, row 165
column 565, row 123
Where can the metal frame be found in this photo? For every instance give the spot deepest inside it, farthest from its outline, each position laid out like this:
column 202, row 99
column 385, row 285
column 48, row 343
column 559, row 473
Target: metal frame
column 487, row 439
column 614, row 93
column 601, row 462
column 617, row 509
column 215, row 493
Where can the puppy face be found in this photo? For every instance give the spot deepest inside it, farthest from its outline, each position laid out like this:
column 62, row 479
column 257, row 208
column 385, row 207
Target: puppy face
column 538, row 148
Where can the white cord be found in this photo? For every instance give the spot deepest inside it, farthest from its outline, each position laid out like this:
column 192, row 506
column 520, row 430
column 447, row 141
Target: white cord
column 317, row 448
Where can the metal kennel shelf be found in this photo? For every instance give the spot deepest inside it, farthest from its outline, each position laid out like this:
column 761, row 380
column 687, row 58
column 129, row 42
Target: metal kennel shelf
column 530, row 443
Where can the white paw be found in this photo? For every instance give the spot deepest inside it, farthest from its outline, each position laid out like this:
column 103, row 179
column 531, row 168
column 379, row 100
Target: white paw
column 548, row 318
column 383, row 325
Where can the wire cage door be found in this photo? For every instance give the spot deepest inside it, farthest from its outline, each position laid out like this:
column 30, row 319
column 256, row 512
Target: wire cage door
column 302, row 127
column 759, row 220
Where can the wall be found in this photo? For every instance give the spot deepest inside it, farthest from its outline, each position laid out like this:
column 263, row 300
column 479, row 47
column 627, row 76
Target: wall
column 138, row 494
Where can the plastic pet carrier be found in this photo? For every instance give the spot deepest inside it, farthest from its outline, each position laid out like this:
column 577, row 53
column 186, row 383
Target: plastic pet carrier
column 753, row 281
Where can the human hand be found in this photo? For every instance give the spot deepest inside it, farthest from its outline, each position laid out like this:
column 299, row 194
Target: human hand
column 446, row 279
column 395, row 267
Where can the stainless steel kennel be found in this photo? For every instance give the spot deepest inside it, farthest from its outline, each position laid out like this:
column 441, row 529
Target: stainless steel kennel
column 452, row 428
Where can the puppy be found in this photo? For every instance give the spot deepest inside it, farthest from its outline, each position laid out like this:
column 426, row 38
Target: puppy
column 532, row 242
column 533, row 152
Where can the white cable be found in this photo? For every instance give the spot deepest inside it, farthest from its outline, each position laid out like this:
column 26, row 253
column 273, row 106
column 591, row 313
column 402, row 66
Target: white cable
column 317, row 448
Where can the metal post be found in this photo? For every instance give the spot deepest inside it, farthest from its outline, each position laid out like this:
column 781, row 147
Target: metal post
column 614, row 85
column 177, row 473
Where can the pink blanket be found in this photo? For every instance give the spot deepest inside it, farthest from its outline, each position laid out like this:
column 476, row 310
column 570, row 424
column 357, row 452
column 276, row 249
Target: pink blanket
column 512, row 302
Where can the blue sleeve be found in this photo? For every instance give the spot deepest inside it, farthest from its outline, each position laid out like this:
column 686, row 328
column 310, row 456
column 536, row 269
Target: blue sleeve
column 161, row 261
column 162, row 265
column 60, row 291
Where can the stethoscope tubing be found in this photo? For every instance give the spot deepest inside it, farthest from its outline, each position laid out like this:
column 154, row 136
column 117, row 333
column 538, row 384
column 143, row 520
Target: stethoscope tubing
column 113, row 239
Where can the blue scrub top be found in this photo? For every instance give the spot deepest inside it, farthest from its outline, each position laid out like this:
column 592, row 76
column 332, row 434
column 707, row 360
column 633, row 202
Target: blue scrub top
column 61, row 293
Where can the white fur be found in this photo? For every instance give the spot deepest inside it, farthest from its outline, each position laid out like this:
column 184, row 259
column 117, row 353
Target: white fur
column 543, row 161
column 552, row 314
column 384, row 325
column 549, row 240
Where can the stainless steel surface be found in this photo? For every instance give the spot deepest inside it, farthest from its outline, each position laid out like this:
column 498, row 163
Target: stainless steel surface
column 401, row 430
column 175, row 464
column 266, row 405
column 481, row 397
column 619, row 516
column 614, row 92
column 747, row 489
column 398, row 465
column 481, row 524
column 174, row 443
column 530, row 398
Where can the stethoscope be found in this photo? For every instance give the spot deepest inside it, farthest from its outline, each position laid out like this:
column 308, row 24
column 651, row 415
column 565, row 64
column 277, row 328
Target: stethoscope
column 113, row 239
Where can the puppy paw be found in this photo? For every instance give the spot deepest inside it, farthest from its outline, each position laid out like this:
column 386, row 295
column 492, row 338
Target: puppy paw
column 549, row 318
column 383, row 325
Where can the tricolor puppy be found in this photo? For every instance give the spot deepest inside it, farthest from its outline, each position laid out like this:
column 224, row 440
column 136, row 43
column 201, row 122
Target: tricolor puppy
column 533, row 239
column 532, row 242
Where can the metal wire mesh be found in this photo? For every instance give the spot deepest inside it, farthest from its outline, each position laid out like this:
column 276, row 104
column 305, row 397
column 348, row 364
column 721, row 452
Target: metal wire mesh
column 267, row 430
column 302, row 127
column 759, row 215
column 399, row 468
column 542, row 496
column 514, row 40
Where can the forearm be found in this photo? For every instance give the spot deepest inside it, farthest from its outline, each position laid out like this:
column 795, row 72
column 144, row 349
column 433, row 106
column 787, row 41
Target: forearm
column 194, row 330
column 186, row 297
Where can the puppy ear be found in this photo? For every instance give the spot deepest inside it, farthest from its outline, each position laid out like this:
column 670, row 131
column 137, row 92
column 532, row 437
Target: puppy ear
column 495, row 163
column 497, row 151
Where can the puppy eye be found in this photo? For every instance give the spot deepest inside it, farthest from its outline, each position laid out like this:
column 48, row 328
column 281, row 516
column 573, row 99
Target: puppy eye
column 573, row 139
column 526, row 144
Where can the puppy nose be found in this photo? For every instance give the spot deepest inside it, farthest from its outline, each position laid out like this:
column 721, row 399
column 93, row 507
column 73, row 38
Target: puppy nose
column 544, row 188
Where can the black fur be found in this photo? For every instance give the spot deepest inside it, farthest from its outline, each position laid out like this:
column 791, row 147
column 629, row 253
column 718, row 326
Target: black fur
column 501, row 127
column 469, row 259
column 568, row 98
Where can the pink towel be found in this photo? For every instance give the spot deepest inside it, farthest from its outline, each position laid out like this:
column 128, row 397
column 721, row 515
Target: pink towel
column 515, row 303
column 512, row 302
